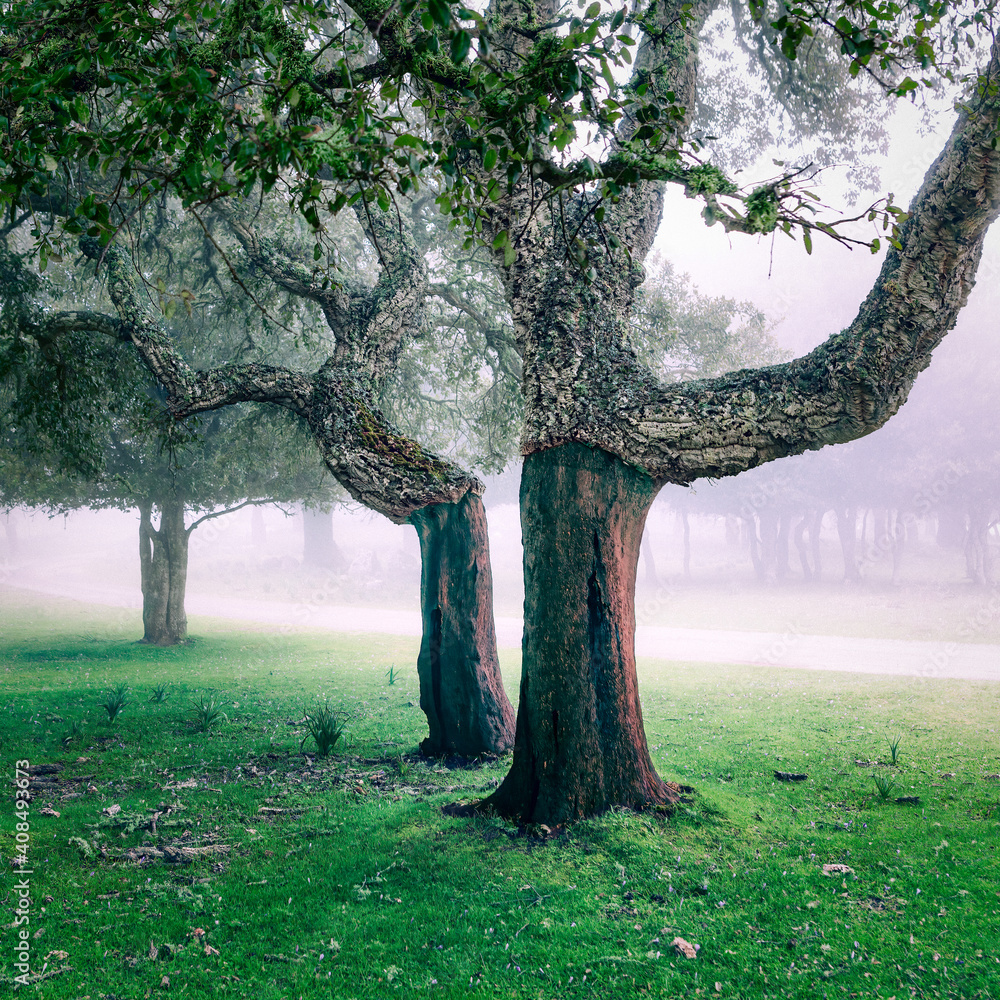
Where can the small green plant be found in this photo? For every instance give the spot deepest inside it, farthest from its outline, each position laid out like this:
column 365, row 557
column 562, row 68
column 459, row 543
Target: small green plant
column 884, row 784
column 393, row 674
column 74, row 732
column 326, row 726
column 403, row 766
column 159, row 693
column 894, row 749
column 207, row 712
column 115, row 700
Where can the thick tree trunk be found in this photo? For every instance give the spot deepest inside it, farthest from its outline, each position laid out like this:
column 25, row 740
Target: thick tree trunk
column 318, row 545
column 461, row 689
column 163, row 555
column 580, row 747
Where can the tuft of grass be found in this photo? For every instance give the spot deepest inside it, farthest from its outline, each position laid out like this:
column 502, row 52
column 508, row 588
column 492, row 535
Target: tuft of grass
column 894, row 749
column 159, row 694
column 74, row 732
column 206, row 712
column 392, row 674
column 884, row 784
column 326, row 726
column 115, row 700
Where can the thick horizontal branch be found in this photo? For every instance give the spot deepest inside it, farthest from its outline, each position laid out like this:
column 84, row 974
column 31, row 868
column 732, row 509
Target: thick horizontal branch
column 848, row 387
column 53, row 325
column 379, row 467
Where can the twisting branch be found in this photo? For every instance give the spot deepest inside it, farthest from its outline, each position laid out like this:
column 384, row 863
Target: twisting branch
column 847, row 387
column 379, row 467
column 53, row 325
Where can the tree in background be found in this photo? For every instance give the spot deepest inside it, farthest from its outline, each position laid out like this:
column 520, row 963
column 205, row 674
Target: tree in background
column 72, row 437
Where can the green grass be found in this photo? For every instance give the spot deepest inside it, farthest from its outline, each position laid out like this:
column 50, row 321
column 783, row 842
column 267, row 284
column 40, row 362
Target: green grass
column 340, row 877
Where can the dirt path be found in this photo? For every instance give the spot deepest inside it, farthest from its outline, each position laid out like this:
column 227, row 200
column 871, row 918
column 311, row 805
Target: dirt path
column 792, row 649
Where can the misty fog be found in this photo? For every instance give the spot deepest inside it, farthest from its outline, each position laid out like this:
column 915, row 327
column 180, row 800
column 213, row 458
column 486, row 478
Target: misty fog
column 894, row 537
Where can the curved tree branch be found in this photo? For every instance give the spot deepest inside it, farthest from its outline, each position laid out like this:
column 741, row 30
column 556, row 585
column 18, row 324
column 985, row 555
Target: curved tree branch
column 846, row 388
column 53, row 325
column 379, row 467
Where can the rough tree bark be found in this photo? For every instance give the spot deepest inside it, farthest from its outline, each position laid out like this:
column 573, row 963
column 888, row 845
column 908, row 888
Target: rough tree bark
column 379, row 467
column 163, row 563
column 580, row 746
column 584, row 386
column 461, row 690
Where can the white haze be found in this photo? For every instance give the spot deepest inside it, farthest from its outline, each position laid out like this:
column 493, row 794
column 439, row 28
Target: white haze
column 250, row 564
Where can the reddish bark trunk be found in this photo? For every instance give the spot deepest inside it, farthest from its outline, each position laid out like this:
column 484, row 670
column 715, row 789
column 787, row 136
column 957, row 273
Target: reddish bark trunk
column 580, row 746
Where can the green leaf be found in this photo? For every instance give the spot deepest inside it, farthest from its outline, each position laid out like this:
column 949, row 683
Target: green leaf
column 500, row 240
column 807, row 240
column 875, row 245
column 460, row 43
column 592, row 11
column 440, row 12
column 490, row 158
column 508, row 256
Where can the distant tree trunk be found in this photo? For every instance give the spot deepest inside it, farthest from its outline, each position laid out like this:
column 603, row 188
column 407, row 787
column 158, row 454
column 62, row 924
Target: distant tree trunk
column 781, row 567
column 815, row 530
column 897, row 543
column 318, row 545
column 647, row 554
column 461, row 689
column 163, row 556
column 687, row 543
column 798, row 535
column 847, row 529
column 580, row 746
column 977, row 554
column 10, row 527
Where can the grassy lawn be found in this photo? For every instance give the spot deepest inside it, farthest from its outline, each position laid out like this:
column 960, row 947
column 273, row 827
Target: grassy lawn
column 227, row 862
